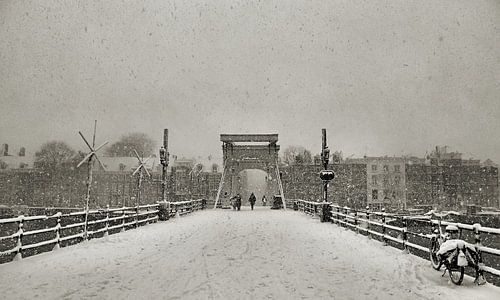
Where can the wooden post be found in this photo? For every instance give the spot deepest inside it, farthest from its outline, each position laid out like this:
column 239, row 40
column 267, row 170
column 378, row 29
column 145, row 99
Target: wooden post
column 87, row 198
column 383, row 227
column 136, row 216
column 477, row 239
column 346, row 219
column 58, row 236
column 356, row 221
column 19, row 244
column 164, row 155
column 90, row 162
column 405, row 235
column 106, row 233
column 338, row 216
column 368, row 222
column 123, row 219
column 138, row 199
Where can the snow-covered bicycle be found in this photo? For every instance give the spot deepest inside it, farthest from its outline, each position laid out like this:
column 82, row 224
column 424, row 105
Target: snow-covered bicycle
column 454, row 254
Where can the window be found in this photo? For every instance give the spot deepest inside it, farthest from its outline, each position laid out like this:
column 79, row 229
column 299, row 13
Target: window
column 374, row 179
column 374, row 194
column 386, row 168
column 386, row 180
column 397, row 179
column 374, row 168
column 397, row 168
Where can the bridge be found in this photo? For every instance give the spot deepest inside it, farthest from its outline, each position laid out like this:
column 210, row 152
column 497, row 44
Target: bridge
column 226, row 254
column 307, row 249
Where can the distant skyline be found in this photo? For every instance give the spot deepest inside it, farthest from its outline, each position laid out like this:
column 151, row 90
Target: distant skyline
column 383, row 77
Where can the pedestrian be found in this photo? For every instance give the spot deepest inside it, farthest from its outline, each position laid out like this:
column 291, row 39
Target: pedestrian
column 252, row 200
column 238, row 201
column 264, row 200
column 232, row 200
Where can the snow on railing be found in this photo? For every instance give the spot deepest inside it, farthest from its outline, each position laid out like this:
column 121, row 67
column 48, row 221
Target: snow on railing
column 185, row 207
column 101, row 222
column 375, row 224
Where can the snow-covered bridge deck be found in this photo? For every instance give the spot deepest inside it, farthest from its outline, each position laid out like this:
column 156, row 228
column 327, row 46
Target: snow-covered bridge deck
column 232, row 255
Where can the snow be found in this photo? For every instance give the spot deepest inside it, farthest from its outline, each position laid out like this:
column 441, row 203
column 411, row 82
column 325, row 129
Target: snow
column 226, row 254
column 450, row 245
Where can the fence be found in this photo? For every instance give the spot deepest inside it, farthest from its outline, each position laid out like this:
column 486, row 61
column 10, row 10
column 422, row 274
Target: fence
column 408, row 233
column 31, row 235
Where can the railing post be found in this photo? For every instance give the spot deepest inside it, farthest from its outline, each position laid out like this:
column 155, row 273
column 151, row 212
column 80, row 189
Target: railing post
column 346, row 219
column 19, row 243
column 383, row 227
column 332, row 219
column 338, row 216
column 356, row 221
column 137, row 216
column 368, row 222
column 177, row 207
column 106, row 233
column 123, row 219
column 405, row 235
column 477, row 239
column 58, row 227
column 326, row 212
column 163, row 211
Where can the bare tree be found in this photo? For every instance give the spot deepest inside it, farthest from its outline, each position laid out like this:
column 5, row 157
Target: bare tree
column 142, row 143
column 53, row 155
column 296, row 155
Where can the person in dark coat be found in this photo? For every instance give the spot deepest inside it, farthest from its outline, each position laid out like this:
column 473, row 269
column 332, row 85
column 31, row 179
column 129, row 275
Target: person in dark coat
column 238, row 201
column 252, row 200
column 233, row 202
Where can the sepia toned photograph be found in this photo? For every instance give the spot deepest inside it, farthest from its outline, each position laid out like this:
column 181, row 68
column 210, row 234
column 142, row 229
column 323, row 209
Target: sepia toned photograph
column 249, row 149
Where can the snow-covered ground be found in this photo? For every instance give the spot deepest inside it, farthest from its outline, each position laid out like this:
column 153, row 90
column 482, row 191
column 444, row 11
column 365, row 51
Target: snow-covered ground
column 226, row 254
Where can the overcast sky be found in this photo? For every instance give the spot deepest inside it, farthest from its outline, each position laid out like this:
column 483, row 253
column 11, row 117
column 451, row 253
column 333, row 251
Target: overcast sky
column 384, row 77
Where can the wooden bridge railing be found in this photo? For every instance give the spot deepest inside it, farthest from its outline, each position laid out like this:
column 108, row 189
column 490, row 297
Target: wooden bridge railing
column 30, row 235
column 394, row 230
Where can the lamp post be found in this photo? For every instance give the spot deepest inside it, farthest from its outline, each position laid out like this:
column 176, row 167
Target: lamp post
column 164, row 162
column 326, row 176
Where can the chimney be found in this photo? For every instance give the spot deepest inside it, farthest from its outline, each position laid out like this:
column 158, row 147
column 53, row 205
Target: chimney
column 22, row 151
column 5, row 150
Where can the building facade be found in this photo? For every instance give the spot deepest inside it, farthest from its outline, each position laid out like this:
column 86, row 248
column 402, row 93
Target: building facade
column 447, row 181
column 347, row 189
column 385, row 181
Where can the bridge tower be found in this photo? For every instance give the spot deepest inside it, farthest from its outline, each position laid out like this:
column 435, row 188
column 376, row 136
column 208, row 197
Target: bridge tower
column 249, row 151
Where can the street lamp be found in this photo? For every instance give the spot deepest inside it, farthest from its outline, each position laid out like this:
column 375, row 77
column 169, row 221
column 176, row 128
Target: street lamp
column 326, row 176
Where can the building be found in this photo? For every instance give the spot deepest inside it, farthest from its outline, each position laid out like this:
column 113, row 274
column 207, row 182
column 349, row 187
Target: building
column 347, row 189
column 19, row 160
column 385, row 181
column 446, row 180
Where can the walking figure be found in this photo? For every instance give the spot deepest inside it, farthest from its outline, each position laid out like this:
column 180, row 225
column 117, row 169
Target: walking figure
column 252, row 200
column 264, row 200
column 236, row 201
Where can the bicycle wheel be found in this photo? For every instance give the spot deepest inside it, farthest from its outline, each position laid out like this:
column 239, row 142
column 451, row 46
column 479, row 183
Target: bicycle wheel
column 435, row 262
column 456, row 274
